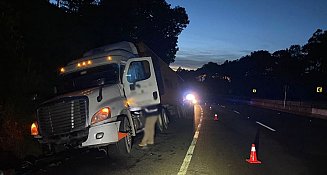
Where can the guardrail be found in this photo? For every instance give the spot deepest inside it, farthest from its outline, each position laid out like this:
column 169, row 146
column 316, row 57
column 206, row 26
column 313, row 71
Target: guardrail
column 302, row 108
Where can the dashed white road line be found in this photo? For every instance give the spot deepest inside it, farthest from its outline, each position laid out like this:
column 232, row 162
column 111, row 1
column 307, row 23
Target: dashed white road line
column 271, row 129
column 237, row 112
column 189, row 154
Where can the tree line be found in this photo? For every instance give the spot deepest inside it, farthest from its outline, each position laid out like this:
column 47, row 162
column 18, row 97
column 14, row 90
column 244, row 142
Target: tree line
column 37, row 37
column 296, row 71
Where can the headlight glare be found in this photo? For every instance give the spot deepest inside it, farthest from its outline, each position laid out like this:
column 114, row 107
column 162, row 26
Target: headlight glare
column 190, row 97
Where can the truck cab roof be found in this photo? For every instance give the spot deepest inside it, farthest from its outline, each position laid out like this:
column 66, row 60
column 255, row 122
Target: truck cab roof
column 112, row 53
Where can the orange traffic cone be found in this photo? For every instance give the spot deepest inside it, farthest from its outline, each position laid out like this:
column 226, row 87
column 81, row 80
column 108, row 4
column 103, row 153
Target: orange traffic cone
column 216, row 117
column 253, row 156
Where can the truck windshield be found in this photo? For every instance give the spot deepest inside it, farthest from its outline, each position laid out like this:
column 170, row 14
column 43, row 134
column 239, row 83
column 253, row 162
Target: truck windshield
column 87, row 78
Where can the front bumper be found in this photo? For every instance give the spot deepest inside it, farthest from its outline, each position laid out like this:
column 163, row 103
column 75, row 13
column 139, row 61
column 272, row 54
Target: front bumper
column 102, row 134
column 73, row 138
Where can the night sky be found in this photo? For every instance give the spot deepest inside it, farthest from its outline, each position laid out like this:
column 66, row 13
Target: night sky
column 222, row 30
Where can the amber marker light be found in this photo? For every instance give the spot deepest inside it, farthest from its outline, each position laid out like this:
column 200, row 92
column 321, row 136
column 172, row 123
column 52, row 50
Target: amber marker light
column 126, row 103
column 79, row 65
column 62, row 70
column 89, row 62
column 34, row 129
column 105, row 111
column 129, row 102
column 109, row 58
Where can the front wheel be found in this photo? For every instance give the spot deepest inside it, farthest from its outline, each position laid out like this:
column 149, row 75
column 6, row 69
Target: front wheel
column 125, row 144
column 123, row 147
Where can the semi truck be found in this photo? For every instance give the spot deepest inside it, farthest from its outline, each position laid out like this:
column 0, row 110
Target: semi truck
column 102, row 99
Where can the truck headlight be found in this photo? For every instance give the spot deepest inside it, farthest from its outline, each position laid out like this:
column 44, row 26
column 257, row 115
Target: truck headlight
column 190, row 97
column 101, row 115
column 34, row 129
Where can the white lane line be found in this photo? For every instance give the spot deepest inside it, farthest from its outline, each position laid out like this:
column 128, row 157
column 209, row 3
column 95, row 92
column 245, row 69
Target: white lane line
column 271, row 129
column 237, row 112
column 189, row 154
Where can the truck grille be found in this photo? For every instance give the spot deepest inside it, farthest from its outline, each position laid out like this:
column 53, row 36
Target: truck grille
column 63, row 116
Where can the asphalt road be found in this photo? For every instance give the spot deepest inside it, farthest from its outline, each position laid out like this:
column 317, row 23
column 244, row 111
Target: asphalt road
column 285, row 144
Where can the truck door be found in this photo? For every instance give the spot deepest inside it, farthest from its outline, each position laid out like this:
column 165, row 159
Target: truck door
column 140, row 83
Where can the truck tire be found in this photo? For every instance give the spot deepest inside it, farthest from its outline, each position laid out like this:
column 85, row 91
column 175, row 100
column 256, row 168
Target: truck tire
column 124, row 145
column 163, row 121
column 165, row 118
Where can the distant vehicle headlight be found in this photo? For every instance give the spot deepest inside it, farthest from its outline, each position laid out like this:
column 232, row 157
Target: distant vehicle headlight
column 102, row 114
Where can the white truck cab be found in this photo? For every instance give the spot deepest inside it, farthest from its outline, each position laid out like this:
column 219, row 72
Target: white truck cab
column 101, row 100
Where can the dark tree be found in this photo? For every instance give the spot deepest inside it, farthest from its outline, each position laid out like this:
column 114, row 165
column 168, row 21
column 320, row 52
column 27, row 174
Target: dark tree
column 295, row 69
column 153, row 22
column 76, row 6
column 37, row 37
column 316, row 52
